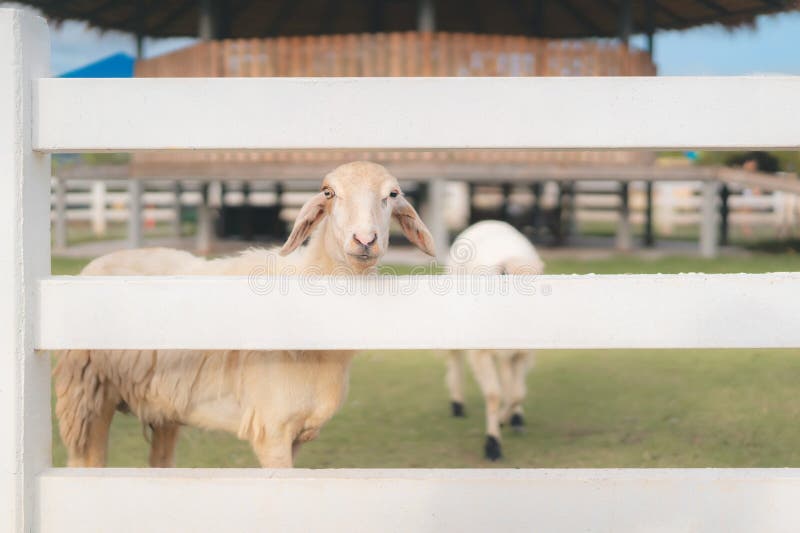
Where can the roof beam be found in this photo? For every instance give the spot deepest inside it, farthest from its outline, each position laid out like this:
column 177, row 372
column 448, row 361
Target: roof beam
column 671, row 14
column 475, row 16
column 587, row 23
column 537, row 25
column 285, row 11
column 177, row 13
column 779, row 4
column 710, row 4
column 97, row 10
column 329, row 11
column 376, row 16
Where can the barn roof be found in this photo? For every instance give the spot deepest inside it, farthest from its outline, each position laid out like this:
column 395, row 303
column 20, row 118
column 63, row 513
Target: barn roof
column 545, row 18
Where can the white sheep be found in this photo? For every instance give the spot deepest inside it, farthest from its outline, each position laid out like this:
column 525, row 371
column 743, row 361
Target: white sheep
column 492, row 247
column 275, row 399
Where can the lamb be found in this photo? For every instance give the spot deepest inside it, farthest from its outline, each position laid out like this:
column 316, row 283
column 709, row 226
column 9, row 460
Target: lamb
column 492, row 247
column 277, row 400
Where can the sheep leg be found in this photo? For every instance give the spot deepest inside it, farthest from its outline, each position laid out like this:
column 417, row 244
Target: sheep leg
column 455, row 381
column 519, row 364
column 306, row 435
column 483, row 367
column 274, row 451
column 162, row 445
column 505, row 373
column 94, row 452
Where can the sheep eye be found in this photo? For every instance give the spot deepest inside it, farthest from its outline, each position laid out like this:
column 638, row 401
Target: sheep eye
column 328, row 193
column 393, row 194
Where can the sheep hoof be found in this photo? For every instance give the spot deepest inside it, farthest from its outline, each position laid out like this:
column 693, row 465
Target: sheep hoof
column 492, row 449
column 458, row 409
column 517, row 422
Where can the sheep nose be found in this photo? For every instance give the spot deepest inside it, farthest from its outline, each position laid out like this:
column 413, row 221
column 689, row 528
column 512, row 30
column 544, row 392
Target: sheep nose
column 365, row 239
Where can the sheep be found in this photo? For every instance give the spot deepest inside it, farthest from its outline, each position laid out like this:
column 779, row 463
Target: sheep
column 276, row 400
column 492, row 247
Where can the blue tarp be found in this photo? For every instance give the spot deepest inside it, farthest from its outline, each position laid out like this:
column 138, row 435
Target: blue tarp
column 114, row 66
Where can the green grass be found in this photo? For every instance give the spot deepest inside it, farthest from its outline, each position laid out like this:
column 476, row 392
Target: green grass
column 597, row 408
column 738, row 235
column 79, row 233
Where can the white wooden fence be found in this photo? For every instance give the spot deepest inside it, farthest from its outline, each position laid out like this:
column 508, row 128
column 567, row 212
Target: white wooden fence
column 39, row 116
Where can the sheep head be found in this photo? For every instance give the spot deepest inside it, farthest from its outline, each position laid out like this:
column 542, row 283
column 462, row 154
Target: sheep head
column 357, row 203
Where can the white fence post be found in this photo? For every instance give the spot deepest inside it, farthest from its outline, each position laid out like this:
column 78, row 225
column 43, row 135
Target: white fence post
column 134, row 213
column 98, row 207
column 709, row 229
column 60, row 221
column 205, row 221
column 624, row 236
column 24, row 259
column 177, row 219
column 434, row 216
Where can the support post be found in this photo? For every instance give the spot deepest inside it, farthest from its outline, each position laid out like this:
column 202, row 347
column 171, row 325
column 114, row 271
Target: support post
column 708, row 222
column 471, row 202
column 536, row 214
column 649, row 237
column 246, row 225
column 205, row 223
column 568, row 209
column 433, row 215
column 134, row 213
column 24, row 260
column 625, row 21
column 177, row 208
column 624, row 234
column 724, row 214
column 206, row 23
column 98, row 208
column 426, row 16
column 505, row 190
column 60, row 222
column 650, row 25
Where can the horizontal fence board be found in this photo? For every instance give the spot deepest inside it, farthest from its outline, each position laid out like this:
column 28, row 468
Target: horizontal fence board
column 408, row 113
column 621, row 500
column 415, row 312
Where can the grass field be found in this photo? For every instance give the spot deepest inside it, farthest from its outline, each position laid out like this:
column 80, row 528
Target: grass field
column 610, row 408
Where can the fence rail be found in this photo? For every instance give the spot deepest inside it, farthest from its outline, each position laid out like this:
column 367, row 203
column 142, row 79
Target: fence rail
column 734, row 501
column 46, row 115
column 412, row 113
column 392, row 55
column 642, row 311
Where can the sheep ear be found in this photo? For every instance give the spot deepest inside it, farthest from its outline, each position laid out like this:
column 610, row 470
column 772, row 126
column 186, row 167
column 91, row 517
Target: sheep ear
column 412, row 226
column 312, row 212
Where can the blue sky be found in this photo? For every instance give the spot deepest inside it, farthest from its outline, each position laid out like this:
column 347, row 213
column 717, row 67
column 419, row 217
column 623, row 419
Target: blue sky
column 773, row 47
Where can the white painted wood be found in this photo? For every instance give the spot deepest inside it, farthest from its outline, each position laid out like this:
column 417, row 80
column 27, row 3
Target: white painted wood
column 98, row 208
column 135, row 239
column 176, row 220
column 571, row 500
column 432, row 113
column 386, row 312
column 60, row 212
column 204, row 236
column 434, row 215
column 24, row 259
column 709, row 220
column 623, row 240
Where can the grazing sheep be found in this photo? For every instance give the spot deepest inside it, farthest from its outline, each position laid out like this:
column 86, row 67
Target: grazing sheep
column 492, row 247
column 277, row 400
